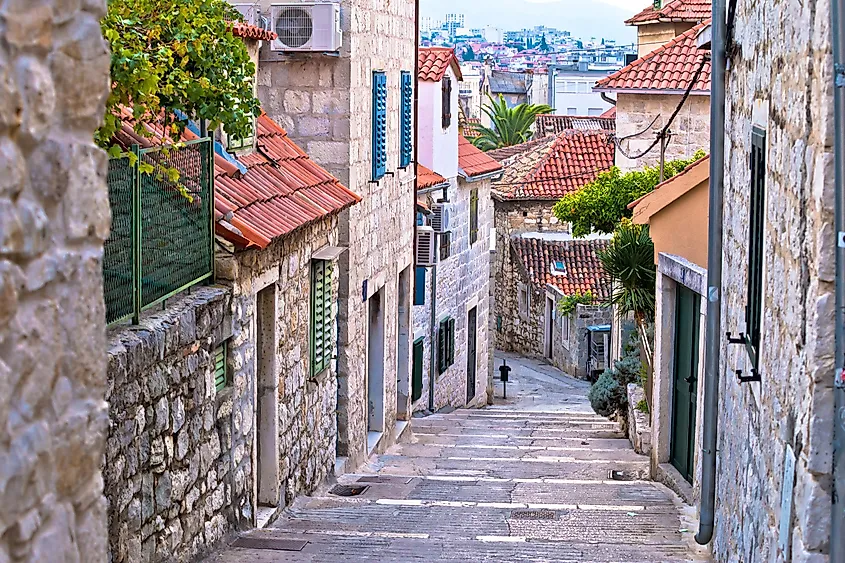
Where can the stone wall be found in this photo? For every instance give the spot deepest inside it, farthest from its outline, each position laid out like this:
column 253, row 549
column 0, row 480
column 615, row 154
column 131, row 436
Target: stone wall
column 177, row 472
column 690, row 130
column 571, row 355
column 53, row 220
column 462, row 283
column 271, row 348
column 781, row 79
column 652, row 36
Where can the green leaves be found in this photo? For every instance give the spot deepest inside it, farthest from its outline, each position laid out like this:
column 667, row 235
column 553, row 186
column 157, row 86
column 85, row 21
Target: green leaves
column 568, row 304
column 511, row 126
column 603, row 203
column 170, row 55
column 629, row 261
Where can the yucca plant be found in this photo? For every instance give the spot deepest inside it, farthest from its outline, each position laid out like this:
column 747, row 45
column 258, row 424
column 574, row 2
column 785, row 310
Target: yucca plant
column 629, row 261
column 510, row 126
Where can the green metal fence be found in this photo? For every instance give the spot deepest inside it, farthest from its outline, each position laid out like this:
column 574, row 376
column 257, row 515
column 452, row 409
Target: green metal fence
column 162, row 237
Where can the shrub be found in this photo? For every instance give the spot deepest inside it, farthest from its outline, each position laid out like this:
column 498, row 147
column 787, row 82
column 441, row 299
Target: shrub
column 607, row 396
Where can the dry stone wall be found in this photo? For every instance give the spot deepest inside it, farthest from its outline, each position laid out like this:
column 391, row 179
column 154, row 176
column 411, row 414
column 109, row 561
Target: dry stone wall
column 54, row 217
column 781, row 79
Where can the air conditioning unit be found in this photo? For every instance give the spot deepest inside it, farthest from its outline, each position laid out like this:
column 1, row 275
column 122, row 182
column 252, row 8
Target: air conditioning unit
column 306, row 27
column 250, row 12
column 441, row 217
column 426, row 247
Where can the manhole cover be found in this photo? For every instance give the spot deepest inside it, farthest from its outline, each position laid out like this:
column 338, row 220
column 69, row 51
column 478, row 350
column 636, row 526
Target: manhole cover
column 275, row 544
column 348, row 490
column 533, row 515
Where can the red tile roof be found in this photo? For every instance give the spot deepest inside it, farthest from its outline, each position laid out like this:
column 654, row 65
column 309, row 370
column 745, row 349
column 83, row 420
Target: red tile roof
column 433, row 62
column 609, row 114
column 504, row 153
column 248, row 31
column 548, row 124
column 427, row 178
column 678, row 11
column 670, row 67
column 584, row 272
column 560, row 166
column 282, row 190
column 472, row 162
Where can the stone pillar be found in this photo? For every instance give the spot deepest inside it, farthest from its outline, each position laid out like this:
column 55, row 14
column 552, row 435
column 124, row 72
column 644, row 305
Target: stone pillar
column 54, row 216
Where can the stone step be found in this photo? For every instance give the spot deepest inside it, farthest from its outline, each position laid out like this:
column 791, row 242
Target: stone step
column 516, row 452
column 561, row 440
column 572, row 432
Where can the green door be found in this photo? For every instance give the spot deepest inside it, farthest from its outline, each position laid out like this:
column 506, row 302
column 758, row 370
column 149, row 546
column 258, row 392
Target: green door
column 685, row 381
column 417, row 378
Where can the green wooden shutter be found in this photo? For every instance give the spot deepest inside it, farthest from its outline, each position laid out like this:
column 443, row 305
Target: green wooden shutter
column 756, row 227
column 446, row 90
column 406, row 151
column 379, row 133
column 442, row 353
column 322, row 344
column 419, row 286
column 417, row 380
column 451, row 341
column 473, row 216
column 220, row 379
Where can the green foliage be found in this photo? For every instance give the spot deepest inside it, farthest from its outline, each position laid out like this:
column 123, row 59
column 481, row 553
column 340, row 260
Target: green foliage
column 173, row 55
column 511, row 126
column 603, row 203
column 567, row 305
column 469, row 54
column 629, row 261
column 642, row 406
column 606, row 395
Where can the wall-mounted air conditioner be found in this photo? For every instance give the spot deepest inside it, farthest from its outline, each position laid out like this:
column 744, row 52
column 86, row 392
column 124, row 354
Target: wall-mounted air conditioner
column 441, row 217
column 426, row 247
column 306, row 27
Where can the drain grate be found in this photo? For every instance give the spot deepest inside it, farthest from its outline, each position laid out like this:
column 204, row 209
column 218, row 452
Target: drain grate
column 275, row 544
column 533, row 515
column 348, row 490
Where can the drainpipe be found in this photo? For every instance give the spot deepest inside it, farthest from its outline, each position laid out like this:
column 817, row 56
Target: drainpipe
column 433, row 346
column 607, row 98
column 713, row 337
column 837, row 541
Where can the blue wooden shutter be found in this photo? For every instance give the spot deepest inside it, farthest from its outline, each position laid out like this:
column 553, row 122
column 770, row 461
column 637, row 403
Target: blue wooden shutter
column 419, row 286
column 379, row 125
column 406, row 152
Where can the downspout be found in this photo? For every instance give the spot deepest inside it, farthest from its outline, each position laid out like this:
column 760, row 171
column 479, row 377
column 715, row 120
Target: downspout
column 713, row 337
column 607, row 98
column 433, row 346
column 837, row 524
column 552, row 72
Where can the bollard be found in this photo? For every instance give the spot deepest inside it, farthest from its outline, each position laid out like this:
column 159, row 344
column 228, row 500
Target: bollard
column 504, row 370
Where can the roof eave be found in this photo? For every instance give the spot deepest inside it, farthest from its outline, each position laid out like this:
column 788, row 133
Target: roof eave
column 494, row 175
column 652, row 91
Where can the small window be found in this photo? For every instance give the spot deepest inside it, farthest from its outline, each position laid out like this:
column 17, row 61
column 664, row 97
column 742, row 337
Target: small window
column 379, row 133
column 473, row 216
column 558, row 268
column 419, row 286
column 446, row 344
column 756, row 228
column 595, row 111
column 406, row 139
column 445, row 245
column 572, row 111
column 221, row 376
column 446, row 90
column 235, row 144
column 322, row 342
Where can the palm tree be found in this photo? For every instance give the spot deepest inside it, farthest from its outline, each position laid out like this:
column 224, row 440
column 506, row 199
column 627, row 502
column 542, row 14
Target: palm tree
column 510, row 126
column 629, row 261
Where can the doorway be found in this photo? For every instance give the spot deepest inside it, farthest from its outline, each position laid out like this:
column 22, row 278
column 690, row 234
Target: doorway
column 472, row 352
column 685, row 381
column 548, row 327
column 375, row 362
column 267, row 379
column 403, row 344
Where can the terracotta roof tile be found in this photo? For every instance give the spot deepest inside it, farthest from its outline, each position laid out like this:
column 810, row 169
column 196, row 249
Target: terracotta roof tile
column 548, row 124
column 248, row 31
column 433, row 62
column 427, row 178
column 669, row 67
column 505, row 153
column 558, row 166
column 472, row 162
column 610, row 114
column 678, row 11
column 584, row 271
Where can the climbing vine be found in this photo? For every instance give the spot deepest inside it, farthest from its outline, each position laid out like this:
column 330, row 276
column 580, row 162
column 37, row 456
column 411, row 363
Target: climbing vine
column 568, row 304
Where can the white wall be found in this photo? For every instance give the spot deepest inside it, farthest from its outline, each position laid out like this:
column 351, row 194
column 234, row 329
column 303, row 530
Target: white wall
column 438, row 147
column 577, row 92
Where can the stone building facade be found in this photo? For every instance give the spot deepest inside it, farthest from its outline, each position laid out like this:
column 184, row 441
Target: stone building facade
column 53, row 220
column 791, row 411
column 572, row 338
column 325, row 104
column 661, row 22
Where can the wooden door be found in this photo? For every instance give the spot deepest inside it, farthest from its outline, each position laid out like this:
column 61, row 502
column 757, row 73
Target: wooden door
column 472, row 355
column 685, row 381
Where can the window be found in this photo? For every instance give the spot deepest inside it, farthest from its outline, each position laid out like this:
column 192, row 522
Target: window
column 595, row 111
column 237, row 143
column 447, row 101
column 565, row 321
column 571, row 111
column 406, row 140
column 756, row 227
column 322, row 344
column 379, row 125
column 221, row 379
column 558, row 268
column 417, row 376
column 446, row 344
column 445, row 245
column 473, row 216
column 419, row 286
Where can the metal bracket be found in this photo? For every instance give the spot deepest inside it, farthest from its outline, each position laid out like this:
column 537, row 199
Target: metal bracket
column 754, row 377
column 839, row 75
column 732, row 340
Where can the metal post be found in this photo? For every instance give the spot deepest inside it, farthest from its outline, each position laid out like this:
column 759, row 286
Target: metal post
column 137, row 226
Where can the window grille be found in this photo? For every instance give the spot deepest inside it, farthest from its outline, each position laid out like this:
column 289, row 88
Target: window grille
column 756, row 227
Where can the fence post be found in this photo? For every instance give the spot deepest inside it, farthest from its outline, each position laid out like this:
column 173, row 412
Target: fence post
column 136, row 237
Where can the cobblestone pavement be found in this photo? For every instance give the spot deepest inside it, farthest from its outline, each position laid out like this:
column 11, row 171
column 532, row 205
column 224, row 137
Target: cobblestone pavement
column 524, row 480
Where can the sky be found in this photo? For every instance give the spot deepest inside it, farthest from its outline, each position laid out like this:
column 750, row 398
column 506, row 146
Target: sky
column 583, row 18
